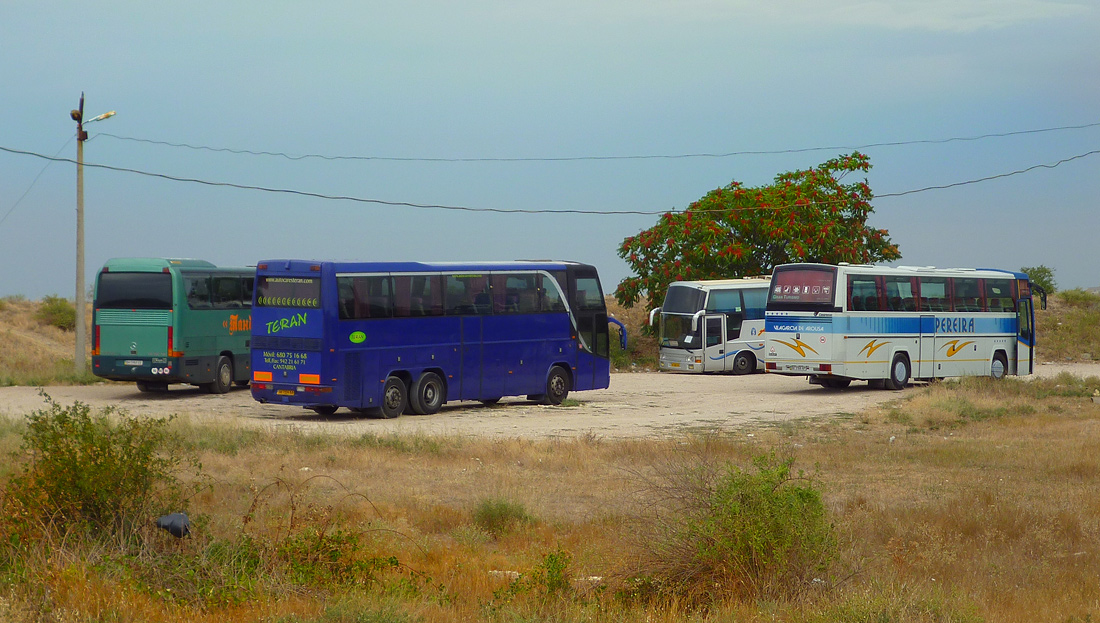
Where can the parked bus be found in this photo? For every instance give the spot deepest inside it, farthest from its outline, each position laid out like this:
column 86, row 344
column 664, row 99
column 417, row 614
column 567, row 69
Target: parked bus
column 161, row 321
column 392, row 337
column 884, row 325
column 712, row 326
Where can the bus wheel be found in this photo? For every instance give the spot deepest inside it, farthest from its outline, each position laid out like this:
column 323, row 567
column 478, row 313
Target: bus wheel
column 324, row 409
column 899, row 372
column 999, row 367
column 394, row 397
column 835, row 383
column 427, row 394
column 151, row 386
column 557, row 386
column 223, row 376
column 744, row 363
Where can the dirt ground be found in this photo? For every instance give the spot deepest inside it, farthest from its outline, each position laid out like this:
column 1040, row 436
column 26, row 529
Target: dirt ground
column 636, row 405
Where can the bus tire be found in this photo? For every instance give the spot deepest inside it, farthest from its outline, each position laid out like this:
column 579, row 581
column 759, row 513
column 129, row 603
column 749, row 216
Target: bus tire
column 152, row 386
column 999, row 367
column 744, row 363
column 323, row 409
column 428, row 394
column 394, row 397
column 557, row 386
column 223, row 376
column 899, row 372
column 833, row 383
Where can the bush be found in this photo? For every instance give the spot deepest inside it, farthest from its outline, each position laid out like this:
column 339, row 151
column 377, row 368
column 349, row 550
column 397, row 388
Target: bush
column 57, row 312
column 90, row 472
column 1079, row 298
column 729, row 533
column 497, row 517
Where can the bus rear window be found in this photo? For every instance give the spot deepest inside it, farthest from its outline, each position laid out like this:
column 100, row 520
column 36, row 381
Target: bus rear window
column 134, row 291
column 802, row 288
column 288, row 291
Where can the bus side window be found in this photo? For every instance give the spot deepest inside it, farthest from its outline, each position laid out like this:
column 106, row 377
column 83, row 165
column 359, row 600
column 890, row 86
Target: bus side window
column 227, row 292
column 247, row 283
column 550, row 298
column 198, row 291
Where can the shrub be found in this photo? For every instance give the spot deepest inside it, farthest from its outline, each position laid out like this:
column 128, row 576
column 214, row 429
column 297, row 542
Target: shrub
column 728, row 533
column 1079, row 298
column 57, row 312
column 89, row 471
column 497, row 516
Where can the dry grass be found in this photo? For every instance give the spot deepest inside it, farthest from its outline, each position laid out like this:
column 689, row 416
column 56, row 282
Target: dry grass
column 971, row 501
column 33, row 352
column 1067, row 328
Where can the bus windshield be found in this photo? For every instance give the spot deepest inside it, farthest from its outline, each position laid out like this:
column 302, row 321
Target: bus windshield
column 134, row 291
column 803, row 288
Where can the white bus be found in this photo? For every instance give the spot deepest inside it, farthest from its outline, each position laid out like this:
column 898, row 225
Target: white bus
column 712, row 326
column 886, row 325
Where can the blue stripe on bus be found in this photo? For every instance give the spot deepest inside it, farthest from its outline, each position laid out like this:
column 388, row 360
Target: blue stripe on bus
column 879, row 325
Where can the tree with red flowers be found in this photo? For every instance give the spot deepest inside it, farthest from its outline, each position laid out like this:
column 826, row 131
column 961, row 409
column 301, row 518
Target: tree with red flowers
column 734, row 231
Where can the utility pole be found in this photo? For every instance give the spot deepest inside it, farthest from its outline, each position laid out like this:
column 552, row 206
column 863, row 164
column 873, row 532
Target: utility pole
column 78, row 116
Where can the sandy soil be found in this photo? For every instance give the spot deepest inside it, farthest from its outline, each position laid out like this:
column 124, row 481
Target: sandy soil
column 636, row 405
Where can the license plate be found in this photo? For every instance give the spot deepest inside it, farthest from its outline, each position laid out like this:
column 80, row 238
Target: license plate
column 133, row 362
column 284, row 392
column 675, row 365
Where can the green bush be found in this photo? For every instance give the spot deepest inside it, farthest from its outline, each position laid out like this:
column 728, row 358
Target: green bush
column 57, row 312
column 497, row 516
column 1079, row 298
column 729, row 533
column 107, row 472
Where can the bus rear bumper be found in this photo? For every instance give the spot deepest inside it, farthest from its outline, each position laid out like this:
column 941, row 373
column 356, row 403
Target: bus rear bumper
column 298, row 395
column 155, row 369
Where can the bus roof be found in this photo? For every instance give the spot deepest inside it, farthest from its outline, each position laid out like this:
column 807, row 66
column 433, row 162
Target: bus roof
column 705, row 284
column 930, row 271
column 415, row 267
column 158, row 264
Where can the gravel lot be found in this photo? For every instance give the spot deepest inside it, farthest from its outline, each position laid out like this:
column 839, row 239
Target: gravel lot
column 636, row 405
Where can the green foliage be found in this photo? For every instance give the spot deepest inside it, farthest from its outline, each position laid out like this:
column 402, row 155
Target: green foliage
column 1041, row 276
column 105, row 472
column 737, row 231
column 498, row 517
column 319, row 557
column 738, row 534
column 57, row 312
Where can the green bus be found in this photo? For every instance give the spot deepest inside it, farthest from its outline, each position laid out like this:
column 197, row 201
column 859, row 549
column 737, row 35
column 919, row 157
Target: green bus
column 161, row 321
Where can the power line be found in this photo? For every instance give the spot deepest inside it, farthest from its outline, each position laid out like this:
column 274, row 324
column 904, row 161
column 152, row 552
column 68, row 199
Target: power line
column 303, row 193
column 33, row 182
column 729, row 154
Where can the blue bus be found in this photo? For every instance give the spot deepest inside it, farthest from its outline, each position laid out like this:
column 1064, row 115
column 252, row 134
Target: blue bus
column 405, row 337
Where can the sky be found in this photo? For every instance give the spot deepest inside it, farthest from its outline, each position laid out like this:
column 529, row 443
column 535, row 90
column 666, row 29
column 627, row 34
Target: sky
column 505, row 105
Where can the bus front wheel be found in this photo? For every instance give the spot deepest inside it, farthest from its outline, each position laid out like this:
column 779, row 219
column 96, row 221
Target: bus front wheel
column 899, row 372
column 557, row 386
column 394, row 397
column 223, row 376
column 999, row 367
column 427, row 395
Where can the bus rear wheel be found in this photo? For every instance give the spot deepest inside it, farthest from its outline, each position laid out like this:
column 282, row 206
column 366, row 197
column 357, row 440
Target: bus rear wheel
column 394, row 397
column 557, row 386
column 899, row 373
column 744, row 363
column 223, row 376
column 152, row 386
column 835, row 383
column 428, row 394
column 324, row 409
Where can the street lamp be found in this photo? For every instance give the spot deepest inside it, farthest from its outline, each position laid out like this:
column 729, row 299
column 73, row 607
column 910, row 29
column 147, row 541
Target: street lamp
column 78, row 116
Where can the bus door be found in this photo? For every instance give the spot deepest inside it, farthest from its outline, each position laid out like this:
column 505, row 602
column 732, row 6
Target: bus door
column 1025, row 336
column 714, row 345
column 472, row 355
column 926, row 356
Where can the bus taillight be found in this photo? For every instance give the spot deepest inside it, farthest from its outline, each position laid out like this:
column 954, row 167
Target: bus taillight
column 172, row 353
column 95, row 340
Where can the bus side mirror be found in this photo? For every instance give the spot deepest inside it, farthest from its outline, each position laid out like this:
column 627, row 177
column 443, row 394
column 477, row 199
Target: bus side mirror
column 622, row 332
column 653, row 313
column 695, row 320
